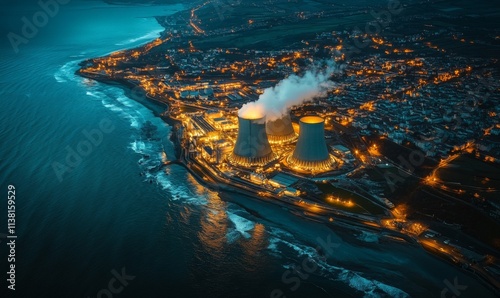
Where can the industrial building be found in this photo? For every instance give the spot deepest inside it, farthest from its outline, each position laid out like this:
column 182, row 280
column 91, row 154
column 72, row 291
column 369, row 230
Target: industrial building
column 280, row 131
column 250, row 142
column 252, row 146
column 311, row 152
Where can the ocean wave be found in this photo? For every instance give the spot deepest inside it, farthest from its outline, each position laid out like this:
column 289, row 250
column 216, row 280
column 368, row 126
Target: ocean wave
column 93, row 94
column 241, row 227
column 280, row 233
column 370, row 288
column 126, row 101
column 112, row 98
column 151, row 150
column 134, row 122
column 67, row 72
column 59, row 79
column 273, row 246
column 149, row 36
column 112, row 107
column 277, row 236
column 177, row 192
column 140, row 147
column 116, row 101
column 368, row 237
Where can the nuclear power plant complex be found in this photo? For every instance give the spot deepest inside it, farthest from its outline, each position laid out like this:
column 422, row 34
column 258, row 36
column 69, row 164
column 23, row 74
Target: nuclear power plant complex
column 252, row 147
column 278, row 154
column 254, row 144
column 286, row 144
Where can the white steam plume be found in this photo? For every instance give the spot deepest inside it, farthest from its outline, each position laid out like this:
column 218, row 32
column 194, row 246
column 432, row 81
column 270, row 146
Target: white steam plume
column 293, row 90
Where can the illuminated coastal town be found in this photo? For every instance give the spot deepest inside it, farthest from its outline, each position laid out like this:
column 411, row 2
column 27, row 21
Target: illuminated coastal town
column 250, row 148
column 385, row 136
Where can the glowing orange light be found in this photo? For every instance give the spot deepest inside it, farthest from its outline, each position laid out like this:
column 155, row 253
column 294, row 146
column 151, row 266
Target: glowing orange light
column 253, row 114
column 311, row 119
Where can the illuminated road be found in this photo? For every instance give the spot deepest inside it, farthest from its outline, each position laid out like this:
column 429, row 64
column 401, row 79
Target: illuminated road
column 193, row 17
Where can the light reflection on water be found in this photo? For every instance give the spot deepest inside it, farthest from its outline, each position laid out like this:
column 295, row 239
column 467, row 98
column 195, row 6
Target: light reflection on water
column 253, row 249
column 214, row 227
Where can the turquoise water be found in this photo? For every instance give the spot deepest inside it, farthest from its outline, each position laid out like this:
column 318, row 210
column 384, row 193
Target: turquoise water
column 111, row 210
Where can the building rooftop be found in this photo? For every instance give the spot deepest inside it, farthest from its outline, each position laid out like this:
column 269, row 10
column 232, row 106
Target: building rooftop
column 283, row 179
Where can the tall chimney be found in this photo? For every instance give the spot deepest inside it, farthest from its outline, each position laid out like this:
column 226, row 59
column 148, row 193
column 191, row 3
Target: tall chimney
column 281, row 131
column 252, row 146
column 311, row 152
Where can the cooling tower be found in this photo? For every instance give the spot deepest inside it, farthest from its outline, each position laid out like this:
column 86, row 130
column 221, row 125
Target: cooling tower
column 311, row 152
column 280, row 130
column 252, row 146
